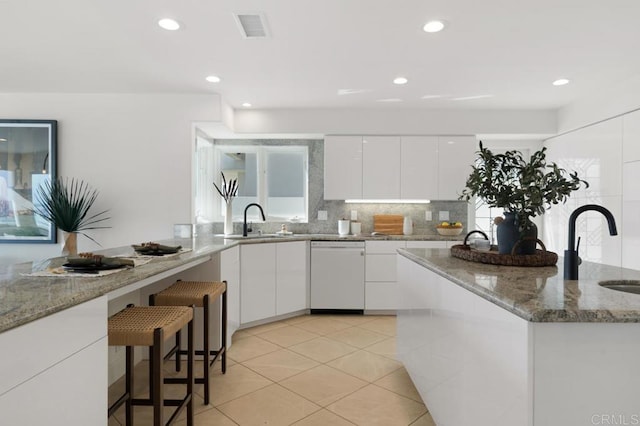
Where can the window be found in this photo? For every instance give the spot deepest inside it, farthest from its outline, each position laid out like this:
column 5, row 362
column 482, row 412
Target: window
column 276, row 177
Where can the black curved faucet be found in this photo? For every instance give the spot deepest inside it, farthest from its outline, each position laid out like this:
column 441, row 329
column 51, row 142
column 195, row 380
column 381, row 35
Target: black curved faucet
column 571, row 259
column 244, row 224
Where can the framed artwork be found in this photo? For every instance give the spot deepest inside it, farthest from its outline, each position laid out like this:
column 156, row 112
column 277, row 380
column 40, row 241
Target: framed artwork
column 27, row 160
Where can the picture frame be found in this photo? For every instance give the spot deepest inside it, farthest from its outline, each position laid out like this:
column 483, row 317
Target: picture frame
column 28, row 153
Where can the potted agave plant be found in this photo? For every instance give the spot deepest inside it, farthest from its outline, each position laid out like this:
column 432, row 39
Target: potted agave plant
column 66, row 204
column 524, row 189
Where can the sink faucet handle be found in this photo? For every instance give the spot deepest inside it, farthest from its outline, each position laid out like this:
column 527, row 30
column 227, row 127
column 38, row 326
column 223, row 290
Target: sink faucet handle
column 578, row 251
column 250, row 227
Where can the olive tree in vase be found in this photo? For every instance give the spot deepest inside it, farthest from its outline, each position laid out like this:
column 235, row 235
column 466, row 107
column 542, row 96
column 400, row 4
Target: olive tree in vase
column 228, row 190
column 524, row 189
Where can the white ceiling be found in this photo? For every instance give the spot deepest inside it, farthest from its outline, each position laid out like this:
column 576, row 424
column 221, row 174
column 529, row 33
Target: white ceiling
column 510, row 49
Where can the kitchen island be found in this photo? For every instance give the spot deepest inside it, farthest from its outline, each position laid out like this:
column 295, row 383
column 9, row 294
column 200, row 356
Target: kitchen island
column 496, row 345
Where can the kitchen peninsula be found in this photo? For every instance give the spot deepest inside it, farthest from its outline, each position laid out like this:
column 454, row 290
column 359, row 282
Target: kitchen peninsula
column 496, row 345
column 53, row 329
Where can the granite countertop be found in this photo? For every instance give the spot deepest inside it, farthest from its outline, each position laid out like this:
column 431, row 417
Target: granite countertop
column 27, row 298
column 539, row 294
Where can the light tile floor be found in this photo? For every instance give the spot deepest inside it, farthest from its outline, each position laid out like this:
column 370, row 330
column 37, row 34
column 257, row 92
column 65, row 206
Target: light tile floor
column 311, row 370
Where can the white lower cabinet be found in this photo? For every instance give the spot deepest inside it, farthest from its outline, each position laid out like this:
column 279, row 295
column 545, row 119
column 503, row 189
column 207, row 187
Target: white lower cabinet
column 292, row 277
column 257, row 282
column 54, row 369
column 230, row 272
column 274, row 279
column 381, row 291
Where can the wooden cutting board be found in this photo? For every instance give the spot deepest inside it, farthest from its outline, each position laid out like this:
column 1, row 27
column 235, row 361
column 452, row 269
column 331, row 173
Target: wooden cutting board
column 390, row 224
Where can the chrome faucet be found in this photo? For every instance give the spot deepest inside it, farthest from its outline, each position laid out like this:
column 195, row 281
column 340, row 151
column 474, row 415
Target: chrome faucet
column 571, row 258
column 244, row 224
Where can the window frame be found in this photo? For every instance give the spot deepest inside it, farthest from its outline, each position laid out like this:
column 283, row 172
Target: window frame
column 262, row 184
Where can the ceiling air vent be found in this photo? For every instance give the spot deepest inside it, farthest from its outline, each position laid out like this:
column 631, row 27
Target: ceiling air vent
column 252, row 25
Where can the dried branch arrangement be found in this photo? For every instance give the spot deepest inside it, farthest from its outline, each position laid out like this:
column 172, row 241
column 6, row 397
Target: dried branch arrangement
column 229, row 188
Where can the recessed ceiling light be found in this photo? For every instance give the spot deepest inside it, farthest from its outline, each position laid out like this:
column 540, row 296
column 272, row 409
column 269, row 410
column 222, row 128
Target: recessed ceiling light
column 432, row 96
column 213, row 79
column 169, row 24
column 433, row 26
column 389, row 100
column 3, row 140
column 560, row 82
column 246, row 105
column 400, row 80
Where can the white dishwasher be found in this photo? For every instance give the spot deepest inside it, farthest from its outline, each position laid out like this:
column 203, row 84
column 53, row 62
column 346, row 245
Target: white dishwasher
column 337, row 276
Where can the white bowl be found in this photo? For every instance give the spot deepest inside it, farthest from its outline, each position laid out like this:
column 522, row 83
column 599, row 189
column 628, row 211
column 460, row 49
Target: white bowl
column 449, row 232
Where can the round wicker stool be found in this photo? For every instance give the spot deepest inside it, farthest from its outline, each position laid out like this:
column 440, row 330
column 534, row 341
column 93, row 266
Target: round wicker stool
column 198, row 294
column 151, row 326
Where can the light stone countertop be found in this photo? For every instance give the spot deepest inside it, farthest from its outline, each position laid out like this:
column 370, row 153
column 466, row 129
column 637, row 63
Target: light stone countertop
column 539, row 294
column 26, row 298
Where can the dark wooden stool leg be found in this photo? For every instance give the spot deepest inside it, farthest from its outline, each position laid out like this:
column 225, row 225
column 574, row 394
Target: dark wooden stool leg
column 158, row 396
column 129, row 386
column 177, row 353
column 224, row 330
column 206, row 353
column 190, row 373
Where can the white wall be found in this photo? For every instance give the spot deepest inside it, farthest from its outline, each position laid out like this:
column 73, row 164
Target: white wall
column 610, row 102
column 136, row 149
column 604, row 126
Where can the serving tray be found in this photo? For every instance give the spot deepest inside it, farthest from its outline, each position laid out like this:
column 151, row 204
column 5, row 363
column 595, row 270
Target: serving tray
column 492, row 257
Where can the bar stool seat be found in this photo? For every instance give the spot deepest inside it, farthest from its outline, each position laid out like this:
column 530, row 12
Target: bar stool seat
column 151, row 326
column 199, row 294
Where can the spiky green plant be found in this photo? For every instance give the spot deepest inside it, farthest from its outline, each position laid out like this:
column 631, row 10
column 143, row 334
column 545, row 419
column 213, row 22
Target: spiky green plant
column 66, row 204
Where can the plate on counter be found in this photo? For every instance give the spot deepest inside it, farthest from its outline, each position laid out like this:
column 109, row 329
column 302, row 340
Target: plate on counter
column 90, row 268
column 154, row 249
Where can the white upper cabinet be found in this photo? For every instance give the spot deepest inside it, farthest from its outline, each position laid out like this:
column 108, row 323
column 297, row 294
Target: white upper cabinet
column 456, row 154
column 342, row 167
column 394, row 167
column 380, row 167
column 419, row 170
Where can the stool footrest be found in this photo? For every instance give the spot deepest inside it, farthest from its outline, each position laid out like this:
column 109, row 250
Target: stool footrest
column 114, row 407
column 216, row 354
column 167, row 402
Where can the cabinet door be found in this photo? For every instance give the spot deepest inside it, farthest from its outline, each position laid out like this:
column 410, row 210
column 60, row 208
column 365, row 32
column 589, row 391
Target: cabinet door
column 456, row 154
column 292, row 288
column 381, row 167
column 419, row 171
column 230, row 272
column 258, row 282
column 342, row 167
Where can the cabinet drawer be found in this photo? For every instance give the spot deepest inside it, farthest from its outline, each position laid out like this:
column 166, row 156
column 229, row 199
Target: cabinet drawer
column 381, row 267
column 384, row 247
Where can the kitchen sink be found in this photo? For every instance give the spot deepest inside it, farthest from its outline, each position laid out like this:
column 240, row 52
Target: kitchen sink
column 250, row 237
column 628, row 286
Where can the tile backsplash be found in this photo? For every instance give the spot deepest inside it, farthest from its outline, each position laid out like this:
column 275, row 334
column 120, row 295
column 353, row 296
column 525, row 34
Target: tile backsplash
column 337, row 209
